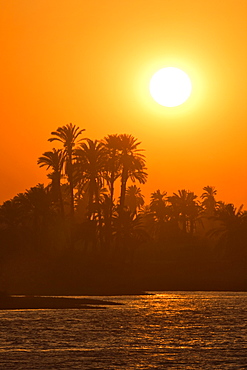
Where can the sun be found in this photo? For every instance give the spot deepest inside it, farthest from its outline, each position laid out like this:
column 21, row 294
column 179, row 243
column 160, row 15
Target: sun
column 170, row 87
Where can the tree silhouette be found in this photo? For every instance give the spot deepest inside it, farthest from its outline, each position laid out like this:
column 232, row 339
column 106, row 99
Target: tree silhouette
column 128, row 229
column 132, row 164
column 231, row 230
column 134, row 199
column 13, row 225
column 33, row 214
column 55, row 160
column 208, row 200
column 122, row 237
column 10, row 215
column 112, row 166
column 158, row 205
column 159, row 215
column 37, row 205
column 91, row 160
column 185, row 209
column 68, row 135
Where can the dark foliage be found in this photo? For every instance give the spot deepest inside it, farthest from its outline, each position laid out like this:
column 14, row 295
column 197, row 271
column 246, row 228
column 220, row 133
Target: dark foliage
column 76, row 237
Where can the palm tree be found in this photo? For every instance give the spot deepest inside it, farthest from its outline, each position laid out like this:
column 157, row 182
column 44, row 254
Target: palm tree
column 230, row 230
column 185, row 208
column 112, row 145
column 55, row 160
column 128, row 229
column 34, row 208
column 208, row 200
column 10, row 214
column 162, row 226
column 208, row 209
column 158, row 205
column 90, row 166
column 26, row 219
column 68, row 135
column 134, row 198
column 132, row 164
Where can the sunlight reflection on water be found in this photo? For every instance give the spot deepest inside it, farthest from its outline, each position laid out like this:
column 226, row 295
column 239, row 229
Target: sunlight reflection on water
column 181, row 330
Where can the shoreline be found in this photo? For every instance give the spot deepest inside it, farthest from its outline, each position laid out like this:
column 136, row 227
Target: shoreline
column 23, row 302
column 44, row 302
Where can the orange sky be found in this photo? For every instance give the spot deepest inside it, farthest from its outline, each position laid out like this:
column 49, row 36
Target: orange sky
column 90, row 62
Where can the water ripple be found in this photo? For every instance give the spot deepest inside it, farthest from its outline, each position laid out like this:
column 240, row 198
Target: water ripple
column 182, row 330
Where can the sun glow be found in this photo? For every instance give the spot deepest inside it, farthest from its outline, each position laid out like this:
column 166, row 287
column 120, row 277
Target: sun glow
column 170, row 87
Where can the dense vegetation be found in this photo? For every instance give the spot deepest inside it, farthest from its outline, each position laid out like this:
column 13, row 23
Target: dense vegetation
column 90, row 231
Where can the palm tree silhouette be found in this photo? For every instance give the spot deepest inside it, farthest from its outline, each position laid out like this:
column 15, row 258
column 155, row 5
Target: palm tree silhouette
column 230, row 230
column 208, row 200
column 112, row 146
column 132, row 163
column 68, row 135
column 90, row 167
column 134, row 199
column 55, row 160
column 158, row 205
column 10, row 214
column 185, row 208
column 34, row 208
column 128, row 229
column 162, row 225
column 208, row 209
column 27, row 218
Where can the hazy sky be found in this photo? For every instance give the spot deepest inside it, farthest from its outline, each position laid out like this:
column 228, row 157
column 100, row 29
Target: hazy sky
column 90, row 62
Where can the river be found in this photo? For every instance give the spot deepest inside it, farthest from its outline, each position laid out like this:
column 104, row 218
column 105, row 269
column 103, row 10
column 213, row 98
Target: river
column 169, row 330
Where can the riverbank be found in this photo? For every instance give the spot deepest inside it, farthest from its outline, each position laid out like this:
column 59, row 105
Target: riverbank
column 37, row 302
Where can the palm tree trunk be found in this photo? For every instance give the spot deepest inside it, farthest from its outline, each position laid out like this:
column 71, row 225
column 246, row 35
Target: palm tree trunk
column 71, row 185
column 192, row 225
column 184, row 223
column 97, row 202
column 61, row 201
column 58, row 194
column 111, row 194
column 124, row 179
column 90, row 199
column 71, row 188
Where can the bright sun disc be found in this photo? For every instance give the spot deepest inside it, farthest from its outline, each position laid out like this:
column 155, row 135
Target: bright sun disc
column 170, row 87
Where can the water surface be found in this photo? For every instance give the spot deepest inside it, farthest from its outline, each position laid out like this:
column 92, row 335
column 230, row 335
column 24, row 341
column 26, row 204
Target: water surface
column 172, row 330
